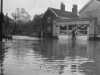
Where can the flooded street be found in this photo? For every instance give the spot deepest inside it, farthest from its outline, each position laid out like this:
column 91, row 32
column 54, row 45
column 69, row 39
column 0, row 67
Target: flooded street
column 50, row 57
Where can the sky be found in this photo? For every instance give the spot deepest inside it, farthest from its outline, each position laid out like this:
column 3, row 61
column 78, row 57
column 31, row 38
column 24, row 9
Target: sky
column 39, row 6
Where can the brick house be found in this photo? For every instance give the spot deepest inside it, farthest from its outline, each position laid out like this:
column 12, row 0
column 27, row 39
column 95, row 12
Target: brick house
column 51, row 14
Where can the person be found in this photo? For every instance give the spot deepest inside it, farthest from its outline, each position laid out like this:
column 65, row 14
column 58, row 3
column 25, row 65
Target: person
column 74, row 33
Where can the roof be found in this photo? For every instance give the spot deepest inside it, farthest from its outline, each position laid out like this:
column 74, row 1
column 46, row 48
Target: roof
column 7, row 17
column 87, row 4
column 2, row 17
column 62, row 13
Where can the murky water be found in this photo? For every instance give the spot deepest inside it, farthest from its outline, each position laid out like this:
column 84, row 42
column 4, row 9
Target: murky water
column 50, row 57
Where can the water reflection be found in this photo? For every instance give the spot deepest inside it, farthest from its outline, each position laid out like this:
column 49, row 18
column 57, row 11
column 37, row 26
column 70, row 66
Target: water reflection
column 2, row 51
column 51, row 57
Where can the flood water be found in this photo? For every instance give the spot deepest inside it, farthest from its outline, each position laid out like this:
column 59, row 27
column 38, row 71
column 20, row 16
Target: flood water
column 50, row 57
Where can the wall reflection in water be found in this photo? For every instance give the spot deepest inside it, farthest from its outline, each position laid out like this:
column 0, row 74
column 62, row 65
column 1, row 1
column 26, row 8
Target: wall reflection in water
column 51, row 57
column 2, row 51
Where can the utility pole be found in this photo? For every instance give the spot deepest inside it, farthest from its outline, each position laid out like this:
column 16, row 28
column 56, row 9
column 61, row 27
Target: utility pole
column 1, row 18
column 1, row 11
column 1, row 15
column 1, row 6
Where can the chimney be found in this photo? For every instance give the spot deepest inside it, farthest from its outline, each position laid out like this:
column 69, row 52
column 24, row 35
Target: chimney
column 62, row 7
column 74, row 9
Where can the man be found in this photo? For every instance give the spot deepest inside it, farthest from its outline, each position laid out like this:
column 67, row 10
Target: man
column 74, row 33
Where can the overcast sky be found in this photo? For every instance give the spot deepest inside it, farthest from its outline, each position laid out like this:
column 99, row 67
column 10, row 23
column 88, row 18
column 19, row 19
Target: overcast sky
column 39, row 6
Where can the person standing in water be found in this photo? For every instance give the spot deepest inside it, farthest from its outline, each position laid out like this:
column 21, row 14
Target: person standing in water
column 74, row 33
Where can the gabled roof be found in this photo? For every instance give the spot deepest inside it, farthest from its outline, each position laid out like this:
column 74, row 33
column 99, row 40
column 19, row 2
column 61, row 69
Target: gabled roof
column 62, row 13
column 7, row 17
column 87, row 4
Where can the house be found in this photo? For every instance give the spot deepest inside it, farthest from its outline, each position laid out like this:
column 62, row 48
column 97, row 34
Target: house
column 2, row 17
column 1, row 23
column 7, row 25
column 51, row 14
column 91, row 10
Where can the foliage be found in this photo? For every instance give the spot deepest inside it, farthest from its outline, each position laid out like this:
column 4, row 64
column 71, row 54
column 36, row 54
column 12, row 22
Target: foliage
column 37, row 21
column 21, row 15
column 22, row 21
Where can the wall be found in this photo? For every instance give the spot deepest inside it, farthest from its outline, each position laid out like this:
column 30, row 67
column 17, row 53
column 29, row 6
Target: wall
column 92, row 11
column 55, row 29
column 93, row 8
column 91, row 30
column 45, row 24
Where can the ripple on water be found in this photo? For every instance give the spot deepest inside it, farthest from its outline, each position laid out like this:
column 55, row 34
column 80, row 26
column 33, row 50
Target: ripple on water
column 51, row 57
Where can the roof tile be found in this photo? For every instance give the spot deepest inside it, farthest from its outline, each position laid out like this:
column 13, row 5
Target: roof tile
column 62, row 13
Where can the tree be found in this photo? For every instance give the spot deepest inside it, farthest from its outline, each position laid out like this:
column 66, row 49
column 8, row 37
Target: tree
column 21, row 15
column 21, row 18
column 37, row 21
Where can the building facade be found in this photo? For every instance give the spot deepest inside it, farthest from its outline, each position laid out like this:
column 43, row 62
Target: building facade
column 91, row 10
column 51, row 14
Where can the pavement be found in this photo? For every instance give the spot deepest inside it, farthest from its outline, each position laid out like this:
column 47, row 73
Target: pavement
column 25, row 38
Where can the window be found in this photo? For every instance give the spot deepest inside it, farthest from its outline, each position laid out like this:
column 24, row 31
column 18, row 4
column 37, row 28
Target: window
column 49, row 20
